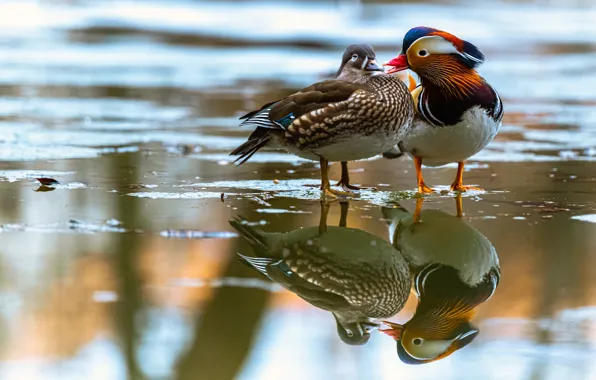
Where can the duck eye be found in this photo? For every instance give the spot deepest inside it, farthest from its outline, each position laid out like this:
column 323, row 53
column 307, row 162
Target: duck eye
column 354, row 57
column 349, row 333
column 417, row 341
column 423, row 53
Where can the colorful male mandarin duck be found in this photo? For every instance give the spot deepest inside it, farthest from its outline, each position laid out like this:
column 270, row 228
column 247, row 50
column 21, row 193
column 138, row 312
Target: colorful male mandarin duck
column 458, row 112
column 455, row 269
column 362, row 113
column 358, row 277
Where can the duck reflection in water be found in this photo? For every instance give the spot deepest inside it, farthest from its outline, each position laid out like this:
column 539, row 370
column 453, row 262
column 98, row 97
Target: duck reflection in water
column 455, row 269
column 358, row 277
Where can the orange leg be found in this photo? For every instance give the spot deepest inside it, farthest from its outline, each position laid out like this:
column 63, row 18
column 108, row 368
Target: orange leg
column 323, row 218
column 459, row 206
column 418, row 210
column 457, row 184
column 422, row 188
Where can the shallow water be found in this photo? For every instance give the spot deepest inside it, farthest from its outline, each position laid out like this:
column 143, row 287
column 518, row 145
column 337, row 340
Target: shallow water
column 128, row 267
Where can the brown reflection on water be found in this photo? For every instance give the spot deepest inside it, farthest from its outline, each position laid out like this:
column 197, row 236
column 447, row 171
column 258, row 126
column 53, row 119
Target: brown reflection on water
column 65, row 317
column 225, row 330
column 546, row 267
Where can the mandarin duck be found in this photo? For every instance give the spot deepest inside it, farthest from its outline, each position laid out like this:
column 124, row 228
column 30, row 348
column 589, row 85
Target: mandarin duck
column 360, row 114
column 358, row 277
column 455, row 269
column 457, row 112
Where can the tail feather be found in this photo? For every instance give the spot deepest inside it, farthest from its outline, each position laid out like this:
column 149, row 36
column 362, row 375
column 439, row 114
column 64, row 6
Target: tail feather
column 254, row 237
column 394, row 213
column 250, row 147
column 255, row 112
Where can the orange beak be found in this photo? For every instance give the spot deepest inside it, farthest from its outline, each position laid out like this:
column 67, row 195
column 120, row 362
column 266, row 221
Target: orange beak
column 395, row 331
column 398, row 63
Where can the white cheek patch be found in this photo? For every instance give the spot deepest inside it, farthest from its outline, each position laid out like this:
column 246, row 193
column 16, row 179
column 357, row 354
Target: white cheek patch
column 364, row 63
column 430, row 349
column 434, row 45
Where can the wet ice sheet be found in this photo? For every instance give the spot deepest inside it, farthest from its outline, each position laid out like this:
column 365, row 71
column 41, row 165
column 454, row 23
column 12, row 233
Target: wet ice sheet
column 305, row 189
column 72, row 226
column 177, row 195
column 259, row 158
column 590, row 218
column 87, row 110
column 18, row 175
column 79, row 138
column 196, row 234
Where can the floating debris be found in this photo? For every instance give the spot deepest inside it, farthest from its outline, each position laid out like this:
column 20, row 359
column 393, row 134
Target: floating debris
column 48, row 181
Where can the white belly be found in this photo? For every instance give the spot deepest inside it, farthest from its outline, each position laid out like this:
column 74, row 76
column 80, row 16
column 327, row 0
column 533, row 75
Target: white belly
column 439, row 146
column 357, row 148
column 447, row 240
column 351, row 148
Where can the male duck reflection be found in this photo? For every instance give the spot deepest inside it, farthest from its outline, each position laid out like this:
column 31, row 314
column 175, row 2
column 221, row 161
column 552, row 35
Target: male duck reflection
column 455, row 269
column 355, row 275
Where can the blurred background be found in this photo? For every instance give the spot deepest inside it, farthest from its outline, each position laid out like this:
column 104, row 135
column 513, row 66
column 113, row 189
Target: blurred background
column 132, row 107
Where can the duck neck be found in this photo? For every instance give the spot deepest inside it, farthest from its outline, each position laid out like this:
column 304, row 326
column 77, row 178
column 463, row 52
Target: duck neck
column 353, row 76
column 453, row 86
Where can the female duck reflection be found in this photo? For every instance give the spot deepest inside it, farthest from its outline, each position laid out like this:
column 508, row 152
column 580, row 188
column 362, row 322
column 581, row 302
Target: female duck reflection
column 455, row 269
column 358, row 277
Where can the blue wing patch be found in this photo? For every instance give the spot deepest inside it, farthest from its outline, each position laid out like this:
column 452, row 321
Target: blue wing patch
column 287, row 120
column 261, row 120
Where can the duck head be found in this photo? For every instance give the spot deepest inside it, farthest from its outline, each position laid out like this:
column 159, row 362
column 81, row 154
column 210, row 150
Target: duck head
column 439, row 58
column 358, row 62
column 354, row 333
column 428, row 338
